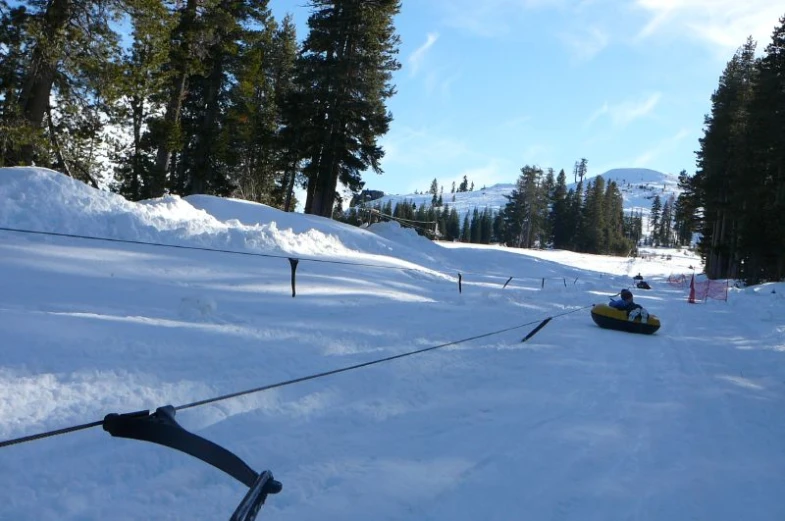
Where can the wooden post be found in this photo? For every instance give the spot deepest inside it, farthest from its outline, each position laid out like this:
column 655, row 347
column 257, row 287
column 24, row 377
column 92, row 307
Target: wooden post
column 293, row 264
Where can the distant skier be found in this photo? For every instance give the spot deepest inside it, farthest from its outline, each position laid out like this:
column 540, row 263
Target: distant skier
column 626, row 304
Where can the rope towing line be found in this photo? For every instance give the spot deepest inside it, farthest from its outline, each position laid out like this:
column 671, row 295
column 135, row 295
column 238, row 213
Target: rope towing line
column 293, row 261
column 160, row 427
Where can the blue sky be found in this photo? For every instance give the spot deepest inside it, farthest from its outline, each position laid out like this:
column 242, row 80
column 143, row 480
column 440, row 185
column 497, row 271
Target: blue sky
column 488, row 86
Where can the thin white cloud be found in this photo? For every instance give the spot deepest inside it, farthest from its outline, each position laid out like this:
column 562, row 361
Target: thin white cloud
column 645, row 158
column 536, row 154
column 717, row 23
column 586, row 44
column 596, row 114
column 437, row 83
column 418, row 55
column 420, row 147
column 627, row 111
column 494, row 171
column 491, row 18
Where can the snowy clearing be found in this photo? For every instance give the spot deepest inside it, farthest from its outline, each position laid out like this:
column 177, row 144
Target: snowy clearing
column 578, row 423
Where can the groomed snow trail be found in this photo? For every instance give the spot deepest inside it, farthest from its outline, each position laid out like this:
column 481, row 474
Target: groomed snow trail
column 579, row 423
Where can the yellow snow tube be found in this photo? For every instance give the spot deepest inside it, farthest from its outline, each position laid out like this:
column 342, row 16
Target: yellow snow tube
column 611, row 318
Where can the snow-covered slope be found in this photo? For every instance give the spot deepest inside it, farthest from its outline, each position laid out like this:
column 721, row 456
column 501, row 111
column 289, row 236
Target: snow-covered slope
column 578, row 423
column 639, row 186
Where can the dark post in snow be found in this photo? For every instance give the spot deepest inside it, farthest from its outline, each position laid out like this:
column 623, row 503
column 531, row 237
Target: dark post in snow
column 459, row 283
column 508, row 281
column 293, row 263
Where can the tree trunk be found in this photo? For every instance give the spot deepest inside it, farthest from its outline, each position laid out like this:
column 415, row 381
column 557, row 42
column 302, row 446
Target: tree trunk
column 289, row 179
column 174, row 106
column 37, row 86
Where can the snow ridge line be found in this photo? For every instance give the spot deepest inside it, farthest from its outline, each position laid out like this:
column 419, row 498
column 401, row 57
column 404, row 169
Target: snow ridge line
column 314, row 376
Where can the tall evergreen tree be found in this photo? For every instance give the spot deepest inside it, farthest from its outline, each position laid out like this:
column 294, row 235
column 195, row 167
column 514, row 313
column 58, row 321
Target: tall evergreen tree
column 654, row 219
column 466, row 233
column 345, row 67
column 464, row 186
column 185, row 59
column 525, row 213
column 59, row 67
column 762, row 232
column 475, row 234
column 142, row 80
column 722, row 161
column 559, row 214
column 593, row 217
column 685, row 210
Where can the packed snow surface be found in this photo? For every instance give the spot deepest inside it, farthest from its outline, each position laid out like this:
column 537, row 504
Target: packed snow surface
column 577, row 423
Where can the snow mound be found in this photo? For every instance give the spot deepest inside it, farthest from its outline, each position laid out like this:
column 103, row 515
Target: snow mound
column 44, row 200
column 295, row 231
column 40, row 199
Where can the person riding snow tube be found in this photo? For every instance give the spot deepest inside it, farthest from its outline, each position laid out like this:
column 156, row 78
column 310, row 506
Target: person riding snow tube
column 625, row 315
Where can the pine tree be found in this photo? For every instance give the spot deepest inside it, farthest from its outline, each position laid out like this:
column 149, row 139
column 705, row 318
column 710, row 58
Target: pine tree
column 575, row 200
column 686, row 210
column 259, row 135
column 525, row 213
column 615, row 240
column 593, row 223
column 580, row 169
column 345, row 67
column 722, row 162
column 486, row 226
column 666, row 223
column 453, row 228
column 475, row 234
column 16, row 40
column 142, row 80
column 466, row 234
column 762, row 228
column 185, row 54
column 654, row 219
column 560, row 214
column 295, row 128
column 59, row 72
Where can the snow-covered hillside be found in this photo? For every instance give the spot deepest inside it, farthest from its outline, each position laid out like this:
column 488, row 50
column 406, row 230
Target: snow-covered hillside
column 638, row 186
column 577, row 423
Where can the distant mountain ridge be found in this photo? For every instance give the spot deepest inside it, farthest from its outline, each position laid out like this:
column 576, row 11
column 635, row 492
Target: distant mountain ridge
column 638, row 186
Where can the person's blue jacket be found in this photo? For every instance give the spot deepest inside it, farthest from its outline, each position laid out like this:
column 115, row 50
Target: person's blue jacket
column 618, row 304
column 623, row 305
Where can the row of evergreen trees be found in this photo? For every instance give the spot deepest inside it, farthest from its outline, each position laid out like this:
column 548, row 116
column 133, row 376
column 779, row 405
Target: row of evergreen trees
column 541, row 211
column 588, row 218
column 738, row 191
column 670, row 223
column 201, row 96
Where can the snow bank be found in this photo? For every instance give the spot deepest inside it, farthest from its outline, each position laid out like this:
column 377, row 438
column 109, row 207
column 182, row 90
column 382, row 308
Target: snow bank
column 44, row 200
